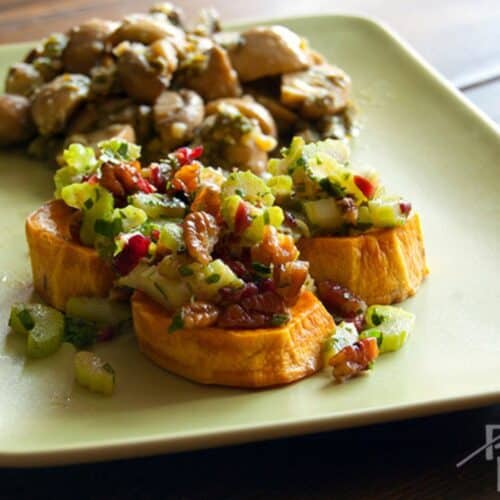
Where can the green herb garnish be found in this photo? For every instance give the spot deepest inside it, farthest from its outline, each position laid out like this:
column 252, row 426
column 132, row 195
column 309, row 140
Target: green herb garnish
column 185, row 271
column 280, row 319
column 213, row 278
column 79, row 332
column 177, row 323
column 332, row 188
column 26, row 319
column 88, row 204
column 261, row 268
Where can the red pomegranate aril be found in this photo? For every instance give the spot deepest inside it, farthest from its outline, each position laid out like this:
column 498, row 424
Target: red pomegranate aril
column 238, row 268
column 242, row 219
column 187, row 155
column 137, row 247
column 93, row 179
column 405, row 207
column 105, row 334
column 233, row 296
column 365, row 186
column 155, row 235
column 267, row 285
column 340, row 300
column 145, row 186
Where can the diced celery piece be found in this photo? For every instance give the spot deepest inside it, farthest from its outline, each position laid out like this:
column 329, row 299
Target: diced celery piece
column 118, row 150
column 20, row 319
column 324, row 213
column 42, row 325
column 79, row 161
column 345, row 334
column 93, row 373
column 281, row 186
column 46, row 336
column 171, row 236
column 290, row 157
column 131, row 217
column 172, row 293
column 207, row 280
column 96, row 204
column 391, row 325
column 335, row 149
column 100, row 310
column 273, row 216
column 158, row 205
column 229, row 208
column 250, row 187
column 385, row 213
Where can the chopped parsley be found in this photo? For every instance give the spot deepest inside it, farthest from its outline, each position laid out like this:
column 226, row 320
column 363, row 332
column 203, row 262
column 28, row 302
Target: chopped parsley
column 213, row 278
column 185, row 271
column 177, row 323
column 261, row 268
column 280, row 319
column 332, row 188
column 26, row 319
column 79, row 332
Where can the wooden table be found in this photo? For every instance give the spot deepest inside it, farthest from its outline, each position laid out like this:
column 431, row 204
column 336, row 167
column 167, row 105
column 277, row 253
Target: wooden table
column 411, row 459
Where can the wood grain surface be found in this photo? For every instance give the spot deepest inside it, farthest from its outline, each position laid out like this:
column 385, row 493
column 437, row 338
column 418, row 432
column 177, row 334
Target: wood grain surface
column 411, row 459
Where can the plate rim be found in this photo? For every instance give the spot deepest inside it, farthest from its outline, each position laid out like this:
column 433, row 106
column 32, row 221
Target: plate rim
column 120, row 448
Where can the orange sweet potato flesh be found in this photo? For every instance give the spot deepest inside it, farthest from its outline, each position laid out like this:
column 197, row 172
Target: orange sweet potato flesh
column 381, row 267
column 239, row 358
column 63, row 268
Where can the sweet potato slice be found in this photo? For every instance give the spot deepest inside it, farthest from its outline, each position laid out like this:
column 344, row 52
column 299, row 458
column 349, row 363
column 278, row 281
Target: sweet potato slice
column 381, row 267
column 240, row 358
column 63, row 268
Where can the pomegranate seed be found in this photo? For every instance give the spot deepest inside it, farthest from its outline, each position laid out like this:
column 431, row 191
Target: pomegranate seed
column 234, row 296
column 155, row 235
column 187, row 155
column 93, row 179
column 242, row 218
column 365, row 186
column 145, row 186
column 405, row 207
column 238, row 268
column 267, row 285
column 137, row 247
column 105, row 334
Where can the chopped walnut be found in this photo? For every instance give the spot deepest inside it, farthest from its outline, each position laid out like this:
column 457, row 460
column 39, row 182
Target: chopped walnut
column 199, row 314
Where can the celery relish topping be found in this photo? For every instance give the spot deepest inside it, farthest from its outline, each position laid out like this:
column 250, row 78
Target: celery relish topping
column 316, row 183
column 206, row 244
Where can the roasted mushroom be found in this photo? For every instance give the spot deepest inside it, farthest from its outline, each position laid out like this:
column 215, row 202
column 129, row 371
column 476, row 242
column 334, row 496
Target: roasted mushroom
column 216, row 78
column 86, row 45
column 23, row 79
column 208, row 23
column 167, row 11
column 146, row 29
column 284, row 118
column 145, row 72
column 267, row 51
column 319, row 91
column 176, row 117
column 55, row 102
column 118, row 130
column 15, row 120
column 46, row 57
column 231, row 139
column 248, row 107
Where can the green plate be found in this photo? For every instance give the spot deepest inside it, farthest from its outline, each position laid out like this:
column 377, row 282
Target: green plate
column 430, row 144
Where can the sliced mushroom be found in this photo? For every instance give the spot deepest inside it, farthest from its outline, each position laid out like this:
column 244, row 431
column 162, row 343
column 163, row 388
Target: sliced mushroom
column 146, row 29
column 216, row 79
column 177, row 115
column 145, row 72
column 118, row 131
column 23, row 79
column 267, row 51
column 15, row 120
column 284, row 118
column 318, row 91
column 55, row 102
column 46, row 57
column 86, row 45
column 248, row 107
column 231, row 139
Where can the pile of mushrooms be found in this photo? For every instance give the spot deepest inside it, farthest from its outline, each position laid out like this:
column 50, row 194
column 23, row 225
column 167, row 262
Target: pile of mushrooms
column 150, row 79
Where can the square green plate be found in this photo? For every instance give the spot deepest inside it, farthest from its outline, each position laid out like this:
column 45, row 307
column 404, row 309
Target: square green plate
column 429, row 144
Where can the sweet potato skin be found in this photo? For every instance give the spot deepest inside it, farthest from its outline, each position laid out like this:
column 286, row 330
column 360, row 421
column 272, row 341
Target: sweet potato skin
column 63, row 268
column 240, row 358
column 381, row 267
